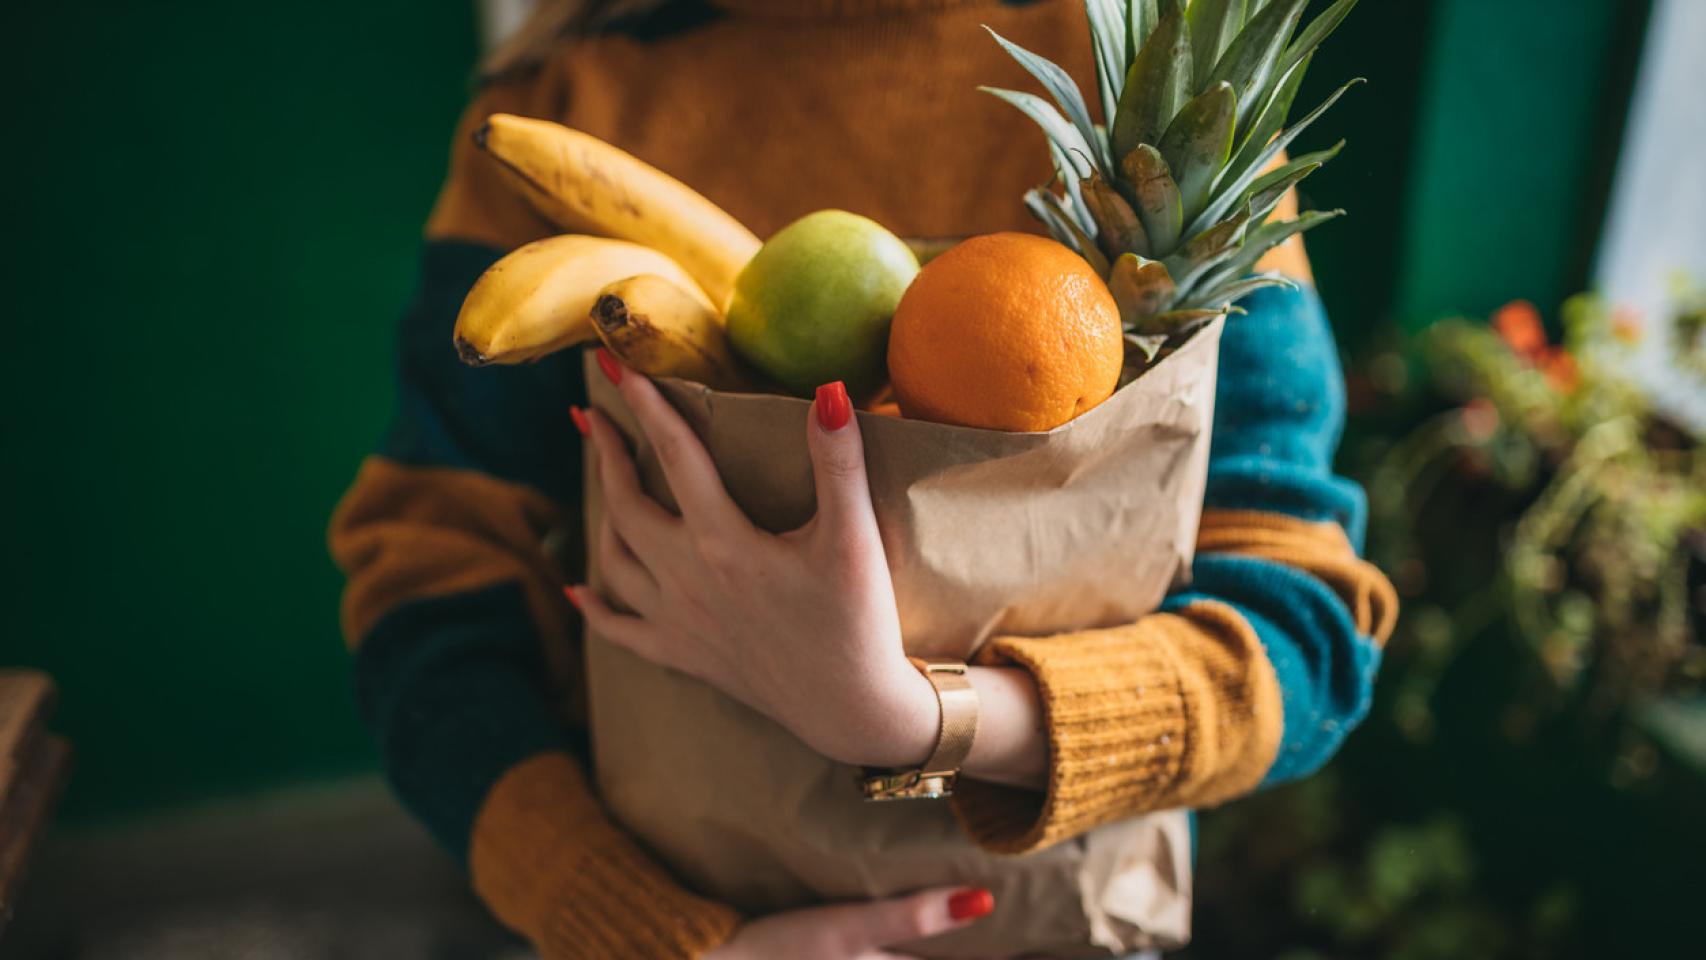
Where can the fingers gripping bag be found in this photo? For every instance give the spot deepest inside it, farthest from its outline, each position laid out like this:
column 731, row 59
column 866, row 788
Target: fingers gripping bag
column 986, row 534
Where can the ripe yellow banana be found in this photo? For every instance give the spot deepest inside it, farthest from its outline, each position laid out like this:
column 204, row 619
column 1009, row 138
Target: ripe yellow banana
column 538, row 299
column 584, row 184
column 662, row 330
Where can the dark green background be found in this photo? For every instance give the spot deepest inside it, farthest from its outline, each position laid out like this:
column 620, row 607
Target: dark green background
column 216, row 215
column 213, row 215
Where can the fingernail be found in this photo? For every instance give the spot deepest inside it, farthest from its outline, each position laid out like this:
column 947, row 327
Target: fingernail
column 579, row 417
column 971, row 904
column 607, row 363
column 570, row 593
column 833, row 407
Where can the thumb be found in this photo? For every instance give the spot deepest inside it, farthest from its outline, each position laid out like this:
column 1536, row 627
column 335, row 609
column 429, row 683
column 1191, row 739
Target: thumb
column 838, row 460
column 886, row 923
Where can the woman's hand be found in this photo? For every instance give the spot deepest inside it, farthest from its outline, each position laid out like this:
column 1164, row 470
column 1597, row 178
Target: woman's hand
column 855, row 931
column 801, row 626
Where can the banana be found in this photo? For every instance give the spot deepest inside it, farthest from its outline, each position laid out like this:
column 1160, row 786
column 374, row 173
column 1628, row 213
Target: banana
column 662, row 330
column 584, row 184
column 538, row 299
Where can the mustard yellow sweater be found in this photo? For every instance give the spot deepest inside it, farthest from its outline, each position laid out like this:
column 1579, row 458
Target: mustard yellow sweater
column 466, row 655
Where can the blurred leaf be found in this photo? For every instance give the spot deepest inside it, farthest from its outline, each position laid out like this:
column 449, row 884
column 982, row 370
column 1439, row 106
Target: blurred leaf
column 1679, row 725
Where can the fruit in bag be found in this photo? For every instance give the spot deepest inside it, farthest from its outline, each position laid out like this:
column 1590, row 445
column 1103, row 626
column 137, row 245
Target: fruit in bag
column 814, row 304
column 1006, row 332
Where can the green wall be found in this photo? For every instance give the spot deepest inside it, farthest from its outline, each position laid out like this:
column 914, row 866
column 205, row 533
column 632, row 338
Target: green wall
column 213, row 212
column 1520, row 121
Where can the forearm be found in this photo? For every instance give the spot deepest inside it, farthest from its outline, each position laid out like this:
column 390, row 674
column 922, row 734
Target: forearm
column 1011, row 746
column 1257, row 673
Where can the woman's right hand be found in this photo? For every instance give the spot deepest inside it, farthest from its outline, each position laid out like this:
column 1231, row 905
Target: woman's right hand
column 855, row 931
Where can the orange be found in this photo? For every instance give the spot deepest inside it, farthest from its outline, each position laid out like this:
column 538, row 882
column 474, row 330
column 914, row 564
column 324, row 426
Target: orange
column 1006, row 332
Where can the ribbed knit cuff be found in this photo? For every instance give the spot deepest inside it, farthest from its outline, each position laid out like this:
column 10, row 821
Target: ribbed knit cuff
column 1172, row 711
column 549, row 863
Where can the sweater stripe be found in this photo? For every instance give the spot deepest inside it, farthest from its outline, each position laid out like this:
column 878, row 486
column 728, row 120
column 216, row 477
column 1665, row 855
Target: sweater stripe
column 454, row 693
column 1324, row 665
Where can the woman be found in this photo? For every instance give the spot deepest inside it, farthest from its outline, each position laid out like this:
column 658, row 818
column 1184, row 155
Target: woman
column 465, row 659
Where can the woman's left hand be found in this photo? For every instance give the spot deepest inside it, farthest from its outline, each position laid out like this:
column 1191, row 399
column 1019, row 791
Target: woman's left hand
column 801, row 626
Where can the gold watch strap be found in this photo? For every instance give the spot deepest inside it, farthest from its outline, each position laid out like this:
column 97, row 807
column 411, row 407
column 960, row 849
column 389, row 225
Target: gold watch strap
column 957, row 699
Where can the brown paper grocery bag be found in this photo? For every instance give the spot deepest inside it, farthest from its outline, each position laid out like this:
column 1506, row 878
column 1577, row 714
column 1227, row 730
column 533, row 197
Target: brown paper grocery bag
column 986, row 534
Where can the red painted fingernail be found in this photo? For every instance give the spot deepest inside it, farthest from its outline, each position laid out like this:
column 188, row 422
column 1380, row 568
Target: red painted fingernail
column 579, row 417
column 833, row 407
column 607, row 363
column 971, row 904
column 570, row 593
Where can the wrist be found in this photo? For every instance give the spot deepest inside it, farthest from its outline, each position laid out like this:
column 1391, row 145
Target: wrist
column 898, row 727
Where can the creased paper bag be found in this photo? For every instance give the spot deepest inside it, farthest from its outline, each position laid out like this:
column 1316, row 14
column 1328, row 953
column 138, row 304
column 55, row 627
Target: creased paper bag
column 986, row 534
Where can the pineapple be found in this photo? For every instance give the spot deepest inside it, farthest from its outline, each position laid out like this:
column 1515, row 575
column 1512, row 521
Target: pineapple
column 1170, row 200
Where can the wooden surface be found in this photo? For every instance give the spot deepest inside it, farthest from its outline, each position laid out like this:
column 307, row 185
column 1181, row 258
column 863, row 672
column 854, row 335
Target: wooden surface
column 33, row 764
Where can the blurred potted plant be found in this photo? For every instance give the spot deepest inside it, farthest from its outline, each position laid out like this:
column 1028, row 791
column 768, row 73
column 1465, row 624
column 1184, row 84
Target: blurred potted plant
column 1526, row 781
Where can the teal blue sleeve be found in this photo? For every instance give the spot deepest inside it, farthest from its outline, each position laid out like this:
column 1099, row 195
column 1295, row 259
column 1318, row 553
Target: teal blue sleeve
column 1279, row 414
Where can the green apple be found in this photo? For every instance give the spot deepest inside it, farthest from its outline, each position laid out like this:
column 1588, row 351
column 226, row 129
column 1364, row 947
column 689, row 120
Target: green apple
column 814, row 304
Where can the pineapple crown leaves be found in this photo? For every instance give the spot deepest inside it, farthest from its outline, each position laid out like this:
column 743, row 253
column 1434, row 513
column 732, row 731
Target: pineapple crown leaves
column 1170, row 199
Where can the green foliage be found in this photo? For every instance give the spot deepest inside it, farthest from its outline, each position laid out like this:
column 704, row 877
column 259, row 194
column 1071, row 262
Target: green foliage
column 1527, row 784
column 1194, row 101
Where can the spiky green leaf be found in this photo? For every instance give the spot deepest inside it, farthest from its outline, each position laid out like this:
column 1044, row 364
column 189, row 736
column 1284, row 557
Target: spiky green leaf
column 1074, row 202
column 1269, row 122
column 1265, row 193
column 1048, row 208
column 1219, row 298
column 1173, row 321
column 1055, row 126
column 1065, row 92
column 1140, row 287
column 1260, row 241
column 1149, row 346
column 1156, row 86
column 1108, row 37
column 1208, row 250
column 1157, row 196
column 1141, row 16
column 1118, row 228
column 1214, row 24
column 1228, row 194
column 1250, row 63
column 1254, row 8
column 1198, row 143
column 1319, row 30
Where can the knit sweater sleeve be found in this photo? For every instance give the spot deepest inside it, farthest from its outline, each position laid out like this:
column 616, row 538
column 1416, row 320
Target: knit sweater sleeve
column 466, row 669
column 1256, row 672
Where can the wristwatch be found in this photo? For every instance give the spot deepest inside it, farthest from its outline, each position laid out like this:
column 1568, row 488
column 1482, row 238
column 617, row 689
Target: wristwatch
column 957, row 699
